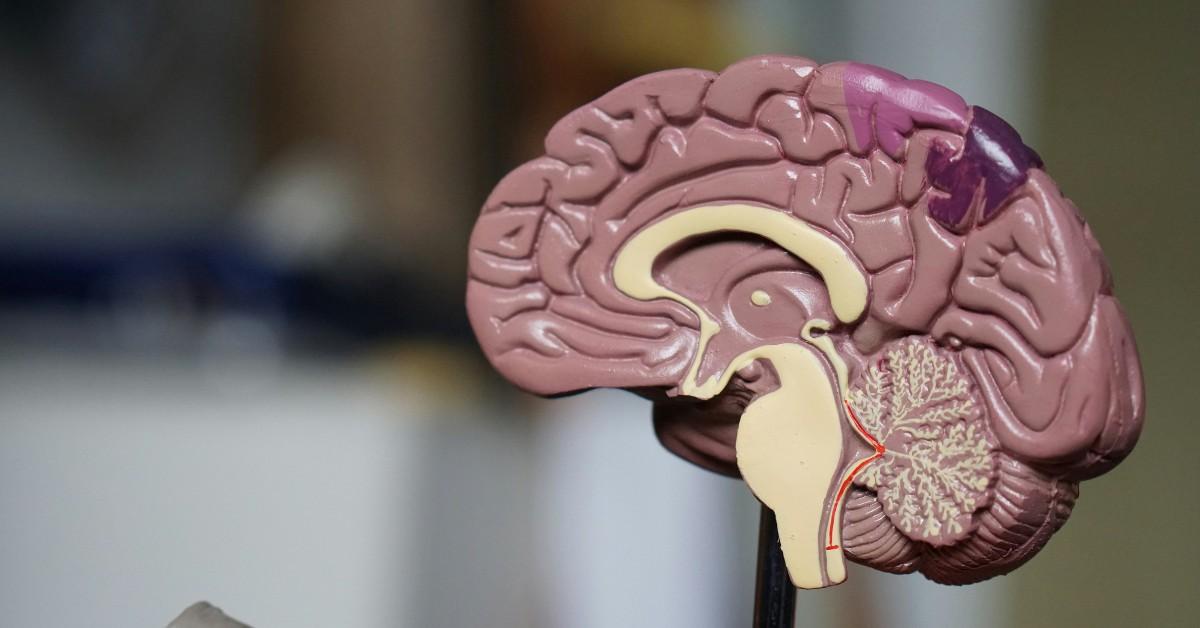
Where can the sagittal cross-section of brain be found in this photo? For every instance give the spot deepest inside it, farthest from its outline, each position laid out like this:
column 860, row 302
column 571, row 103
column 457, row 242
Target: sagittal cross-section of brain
column 852, row 289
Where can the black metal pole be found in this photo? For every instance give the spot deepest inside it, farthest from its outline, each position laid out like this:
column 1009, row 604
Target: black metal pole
column 774, row 595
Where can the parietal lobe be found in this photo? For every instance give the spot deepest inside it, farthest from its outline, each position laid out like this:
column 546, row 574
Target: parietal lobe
column 855, row 291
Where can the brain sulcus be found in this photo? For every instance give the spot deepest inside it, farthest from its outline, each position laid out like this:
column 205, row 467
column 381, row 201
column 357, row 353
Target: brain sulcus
column 990, row 360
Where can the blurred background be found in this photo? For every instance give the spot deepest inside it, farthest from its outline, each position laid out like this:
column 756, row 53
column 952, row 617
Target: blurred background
column 235, row 366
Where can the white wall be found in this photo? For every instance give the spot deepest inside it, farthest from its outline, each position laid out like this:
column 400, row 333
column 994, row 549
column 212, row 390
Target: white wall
column 131, row 488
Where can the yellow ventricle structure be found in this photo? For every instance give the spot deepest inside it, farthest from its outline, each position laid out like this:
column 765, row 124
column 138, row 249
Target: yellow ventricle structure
column 789, row 442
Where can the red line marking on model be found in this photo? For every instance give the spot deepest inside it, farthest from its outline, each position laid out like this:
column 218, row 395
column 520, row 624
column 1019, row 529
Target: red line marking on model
column 879, row 451
column 862, row 430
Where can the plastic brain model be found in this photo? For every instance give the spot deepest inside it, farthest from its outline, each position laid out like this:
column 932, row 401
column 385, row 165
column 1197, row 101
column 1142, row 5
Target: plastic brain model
column 851, row 289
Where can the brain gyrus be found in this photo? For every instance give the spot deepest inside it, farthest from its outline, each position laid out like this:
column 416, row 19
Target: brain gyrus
column 852, row 289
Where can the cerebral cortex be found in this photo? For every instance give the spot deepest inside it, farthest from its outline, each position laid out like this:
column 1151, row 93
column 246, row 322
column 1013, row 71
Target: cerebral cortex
column 990, row 312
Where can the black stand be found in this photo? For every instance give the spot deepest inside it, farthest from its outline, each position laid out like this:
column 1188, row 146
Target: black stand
column 774, row 595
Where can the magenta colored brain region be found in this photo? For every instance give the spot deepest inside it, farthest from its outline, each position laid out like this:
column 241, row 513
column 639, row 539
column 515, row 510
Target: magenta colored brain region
column 854, row 290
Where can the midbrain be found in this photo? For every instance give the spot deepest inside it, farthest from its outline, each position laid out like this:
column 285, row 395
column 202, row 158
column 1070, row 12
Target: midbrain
column 854, row 290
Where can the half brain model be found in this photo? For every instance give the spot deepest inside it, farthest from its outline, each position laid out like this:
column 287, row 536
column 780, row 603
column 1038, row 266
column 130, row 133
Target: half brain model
column 855, row 291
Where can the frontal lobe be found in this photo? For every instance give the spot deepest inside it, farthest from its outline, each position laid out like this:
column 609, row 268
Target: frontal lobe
column 539, row 296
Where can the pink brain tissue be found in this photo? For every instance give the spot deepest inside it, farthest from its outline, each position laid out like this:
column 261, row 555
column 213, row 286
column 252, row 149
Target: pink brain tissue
column 855, row 291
